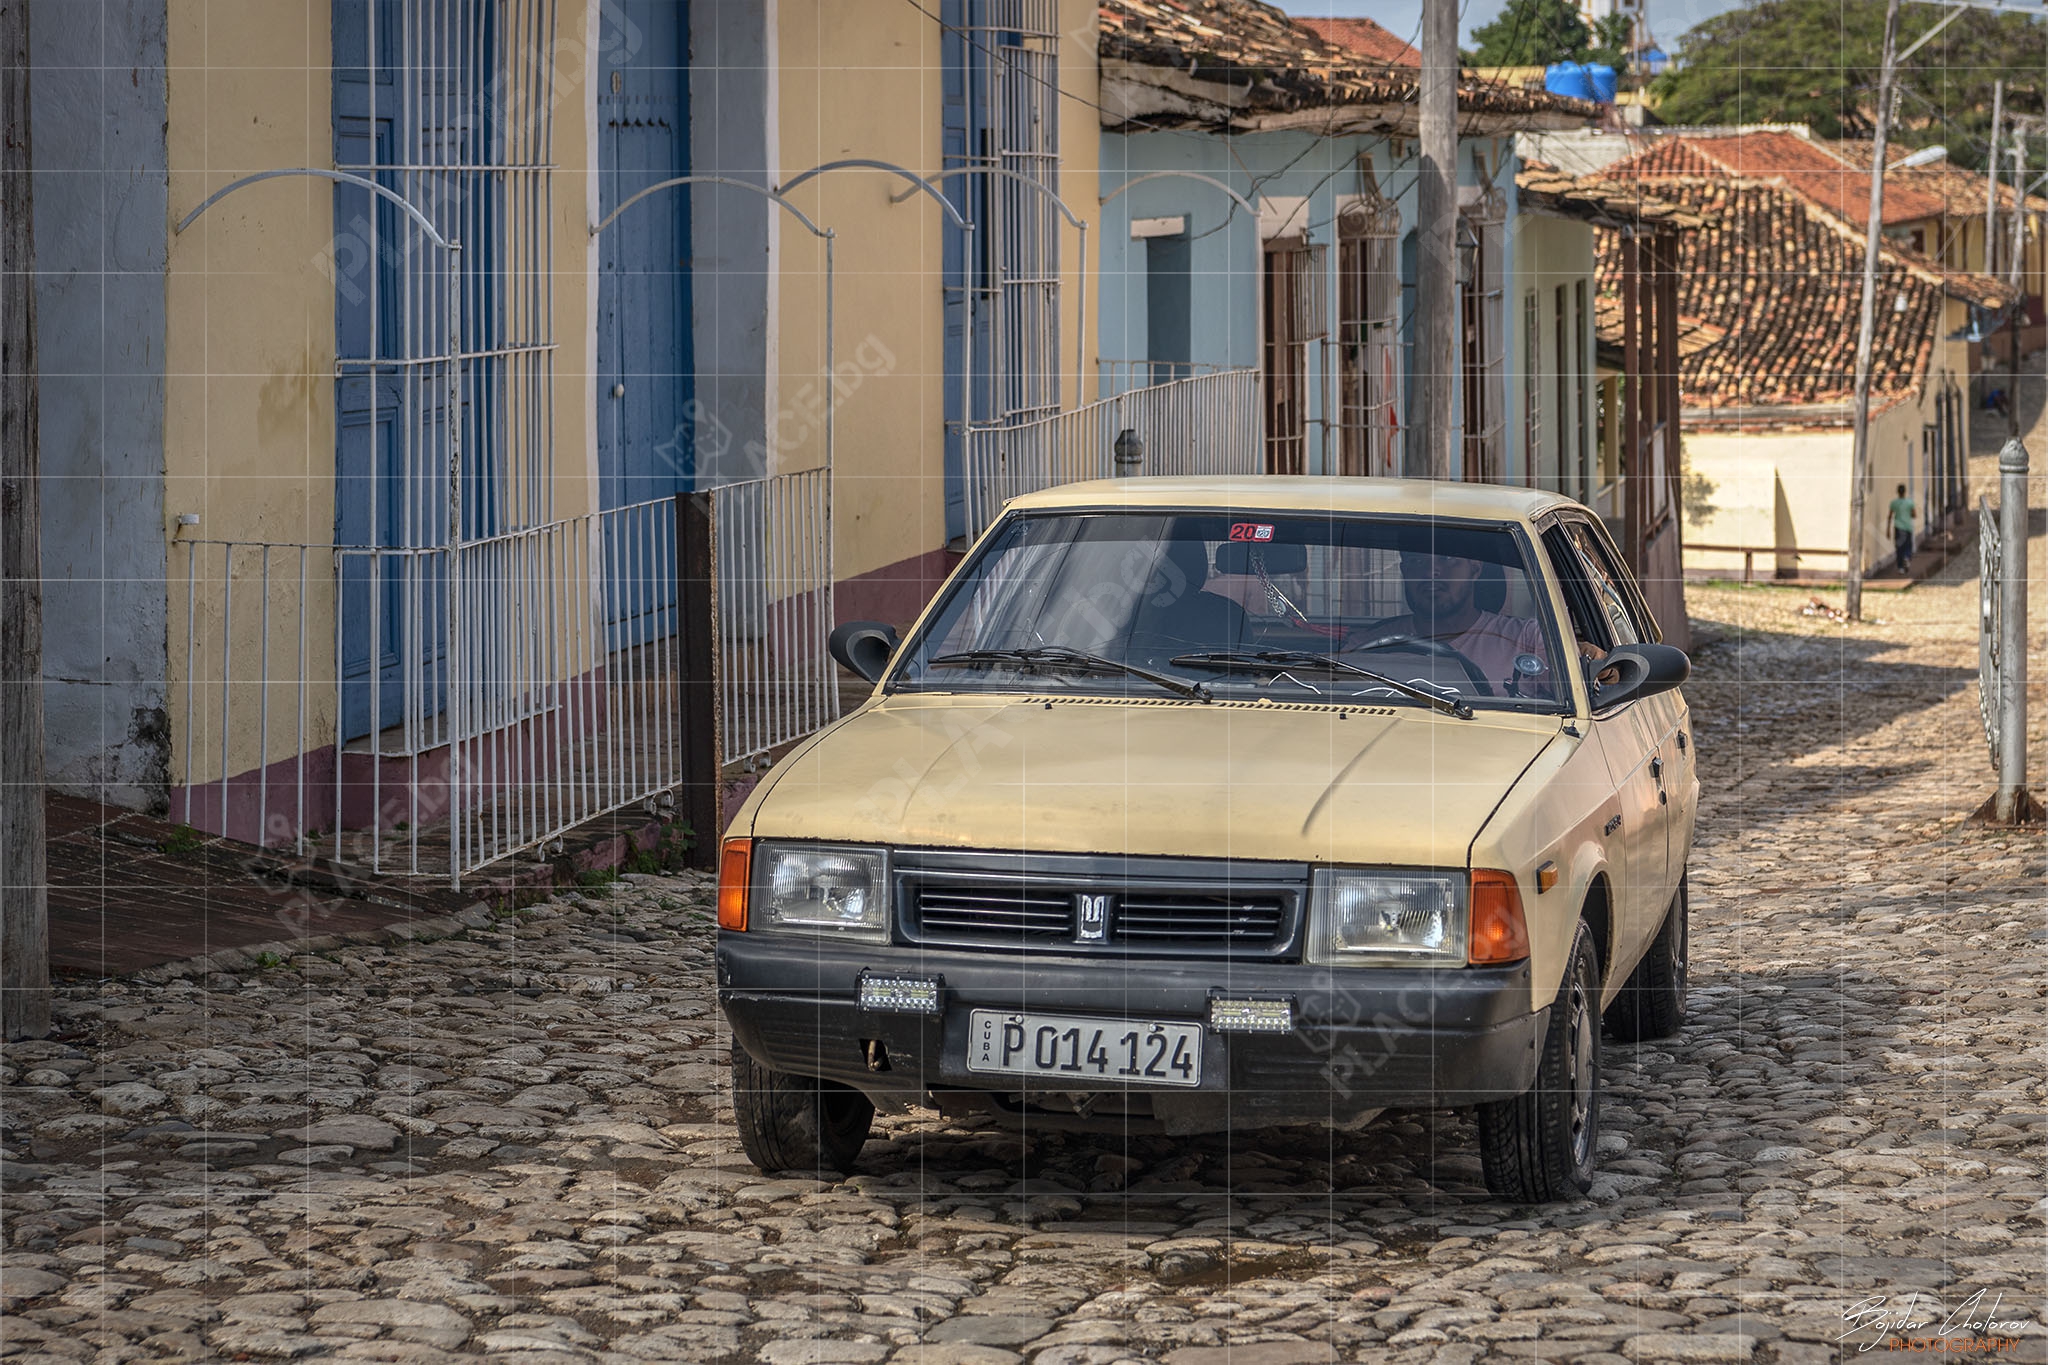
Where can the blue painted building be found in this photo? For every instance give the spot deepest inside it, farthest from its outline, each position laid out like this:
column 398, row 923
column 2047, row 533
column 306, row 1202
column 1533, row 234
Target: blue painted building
column 1259, row 189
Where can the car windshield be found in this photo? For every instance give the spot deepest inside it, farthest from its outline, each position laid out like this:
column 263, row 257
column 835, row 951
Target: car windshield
column 1292, row 606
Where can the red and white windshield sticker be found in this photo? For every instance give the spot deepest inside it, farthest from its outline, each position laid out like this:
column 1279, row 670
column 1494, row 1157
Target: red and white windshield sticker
column 1251, row 530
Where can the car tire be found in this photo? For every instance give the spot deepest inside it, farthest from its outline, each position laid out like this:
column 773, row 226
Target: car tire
column 1652, row 1000
column 1539, row 1145
column 797, row 1123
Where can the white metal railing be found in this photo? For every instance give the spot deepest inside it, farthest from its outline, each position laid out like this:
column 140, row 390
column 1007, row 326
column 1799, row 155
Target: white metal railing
column 328, row 706
column 775, row 611
column 1207, row 424
column 1121, row 376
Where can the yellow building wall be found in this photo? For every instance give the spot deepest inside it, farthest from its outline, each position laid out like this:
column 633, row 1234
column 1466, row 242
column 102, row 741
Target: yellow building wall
column 249, row 354
column 864, row 81
column 249, row 422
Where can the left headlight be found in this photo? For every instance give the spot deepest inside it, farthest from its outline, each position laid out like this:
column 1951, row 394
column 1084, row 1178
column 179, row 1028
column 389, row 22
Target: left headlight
column 1386, row 918
column 821, row 889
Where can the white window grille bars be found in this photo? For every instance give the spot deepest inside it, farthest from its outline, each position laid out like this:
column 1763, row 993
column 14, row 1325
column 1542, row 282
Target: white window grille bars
column 460, row 346
column 1368, row 336
column 1016, row 286
column 1206, row 424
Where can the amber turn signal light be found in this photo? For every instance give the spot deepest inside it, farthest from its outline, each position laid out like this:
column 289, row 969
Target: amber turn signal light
column 1499, row 933
column 735, row 863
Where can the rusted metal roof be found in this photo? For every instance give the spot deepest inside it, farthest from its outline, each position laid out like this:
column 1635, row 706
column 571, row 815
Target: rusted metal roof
column 1245, row 65
column 1592, row 199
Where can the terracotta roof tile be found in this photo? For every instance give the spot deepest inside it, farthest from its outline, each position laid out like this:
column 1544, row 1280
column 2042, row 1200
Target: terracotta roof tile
column 1960, row 191
column 1365, row 38
column 1781, row 279
column 1811, row 168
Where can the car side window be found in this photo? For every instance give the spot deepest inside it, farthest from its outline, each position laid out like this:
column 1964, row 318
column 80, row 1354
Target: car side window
column 1606, row 582
column 1588, row 621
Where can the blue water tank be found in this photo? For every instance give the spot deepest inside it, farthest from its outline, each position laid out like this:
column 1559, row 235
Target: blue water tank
column 1574, row 80
column 1603, row 81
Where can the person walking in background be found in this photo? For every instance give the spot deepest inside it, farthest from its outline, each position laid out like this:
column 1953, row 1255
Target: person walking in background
column 1902, row 530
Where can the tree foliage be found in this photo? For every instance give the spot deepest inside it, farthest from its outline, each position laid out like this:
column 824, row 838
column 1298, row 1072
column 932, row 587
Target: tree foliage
column 1816, row 62
column 1539, row 32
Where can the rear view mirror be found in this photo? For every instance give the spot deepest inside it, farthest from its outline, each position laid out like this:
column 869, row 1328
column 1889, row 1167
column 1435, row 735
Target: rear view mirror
column 1644, row 671
column 863, row 648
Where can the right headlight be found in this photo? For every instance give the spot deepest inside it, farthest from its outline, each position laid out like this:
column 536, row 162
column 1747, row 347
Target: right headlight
column 1387, row 918
column 836, row 890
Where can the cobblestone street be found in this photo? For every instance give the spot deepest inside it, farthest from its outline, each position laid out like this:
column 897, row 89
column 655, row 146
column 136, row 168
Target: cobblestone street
column 512, row 1142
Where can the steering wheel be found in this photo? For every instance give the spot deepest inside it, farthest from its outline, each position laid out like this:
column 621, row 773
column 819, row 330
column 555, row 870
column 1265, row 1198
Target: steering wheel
column 1424, row 645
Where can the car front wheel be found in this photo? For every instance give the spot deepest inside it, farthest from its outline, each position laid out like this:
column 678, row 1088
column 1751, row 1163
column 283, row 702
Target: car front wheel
column 797, row 1123
column 1538, row 1146
column 1652, row 1001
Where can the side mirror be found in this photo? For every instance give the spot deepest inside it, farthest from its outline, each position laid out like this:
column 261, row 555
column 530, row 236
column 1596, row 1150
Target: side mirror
column 863, row 648
column 1645, row 670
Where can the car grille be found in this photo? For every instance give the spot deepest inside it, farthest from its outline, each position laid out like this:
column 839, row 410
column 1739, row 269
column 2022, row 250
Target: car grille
column 1207, row 919
column 1076, row 904
column 993, row 910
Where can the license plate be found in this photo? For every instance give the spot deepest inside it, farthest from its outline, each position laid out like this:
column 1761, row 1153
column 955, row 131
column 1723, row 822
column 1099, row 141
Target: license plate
column 1065, row 1047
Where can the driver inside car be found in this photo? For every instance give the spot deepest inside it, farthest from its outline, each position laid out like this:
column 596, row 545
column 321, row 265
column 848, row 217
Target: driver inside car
column 1456, row 602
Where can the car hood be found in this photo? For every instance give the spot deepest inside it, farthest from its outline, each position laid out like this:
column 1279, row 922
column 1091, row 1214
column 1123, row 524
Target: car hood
column 1250, row 779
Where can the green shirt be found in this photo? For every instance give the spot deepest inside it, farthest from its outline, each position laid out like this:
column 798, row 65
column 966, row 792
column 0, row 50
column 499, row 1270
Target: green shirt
column 1902, row 514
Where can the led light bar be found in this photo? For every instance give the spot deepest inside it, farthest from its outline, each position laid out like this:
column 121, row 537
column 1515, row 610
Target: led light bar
column 1250, row 1015
column 902, row 994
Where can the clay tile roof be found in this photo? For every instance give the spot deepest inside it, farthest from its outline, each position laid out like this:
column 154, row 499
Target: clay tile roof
column 1593, row 199
column 1960, row 191
column 1814, row 169
column 1365, row 38
column 1780, row 278
column 1266, row 62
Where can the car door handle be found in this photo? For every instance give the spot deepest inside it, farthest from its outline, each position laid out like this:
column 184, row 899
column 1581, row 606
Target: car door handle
column 1612, row 825
column 1657, row 769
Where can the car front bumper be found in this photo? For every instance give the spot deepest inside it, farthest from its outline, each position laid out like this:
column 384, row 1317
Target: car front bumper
column 1364, row 1039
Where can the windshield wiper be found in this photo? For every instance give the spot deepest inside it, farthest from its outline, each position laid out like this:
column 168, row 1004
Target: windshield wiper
column 1041, row 656
column 1283, row 660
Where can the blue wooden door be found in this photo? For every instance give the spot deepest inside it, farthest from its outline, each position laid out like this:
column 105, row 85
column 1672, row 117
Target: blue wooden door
column 647, row 432
column 962, row 135
column 646, row 446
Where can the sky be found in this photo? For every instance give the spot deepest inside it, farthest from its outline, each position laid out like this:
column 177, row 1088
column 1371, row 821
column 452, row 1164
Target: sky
column 1669, row 19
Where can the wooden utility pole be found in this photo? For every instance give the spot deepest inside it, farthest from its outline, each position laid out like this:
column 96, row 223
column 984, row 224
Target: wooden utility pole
column 1436, row 282
column 24, row 883
column 1866, row 318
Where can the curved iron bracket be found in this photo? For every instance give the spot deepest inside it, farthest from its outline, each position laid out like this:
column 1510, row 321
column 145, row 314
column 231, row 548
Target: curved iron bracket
column 1009, row 174
column 1236, row 199
column 862, row 163
column 749, row 185
column 339, row 177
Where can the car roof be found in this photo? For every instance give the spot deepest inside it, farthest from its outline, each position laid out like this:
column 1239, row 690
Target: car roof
column 1297, row 493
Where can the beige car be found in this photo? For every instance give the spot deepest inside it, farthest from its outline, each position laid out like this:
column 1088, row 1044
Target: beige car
column 1205, row 804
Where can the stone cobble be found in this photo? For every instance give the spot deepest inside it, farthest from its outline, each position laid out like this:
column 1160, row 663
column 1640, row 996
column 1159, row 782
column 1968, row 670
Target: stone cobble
column 515, row 1142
